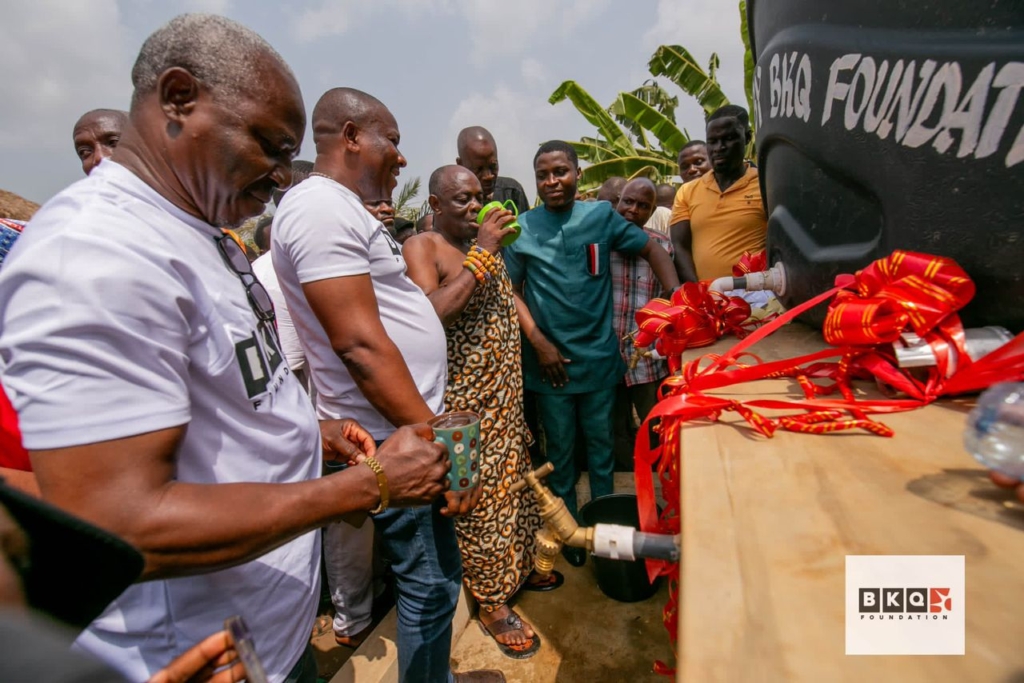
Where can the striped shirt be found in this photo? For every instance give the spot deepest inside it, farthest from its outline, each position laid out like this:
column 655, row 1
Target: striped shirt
column 633, row 285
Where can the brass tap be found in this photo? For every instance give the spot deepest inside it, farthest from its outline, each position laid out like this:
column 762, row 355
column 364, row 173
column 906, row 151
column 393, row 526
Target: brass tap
column 637, row 355
column 559, row 525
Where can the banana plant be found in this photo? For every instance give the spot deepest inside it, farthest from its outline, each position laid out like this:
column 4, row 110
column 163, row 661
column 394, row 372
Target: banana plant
column 678, row 65
column 645, row 117
column 653, row 94
column 656, row 168
column 594, row 113
column 635, row 121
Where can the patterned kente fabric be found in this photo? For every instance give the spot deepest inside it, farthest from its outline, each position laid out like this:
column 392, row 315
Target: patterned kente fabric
column 485, row 376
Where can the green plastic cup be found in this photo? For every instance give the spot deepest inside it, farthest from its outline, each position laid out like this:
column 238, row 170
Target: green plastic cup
column 511, row 206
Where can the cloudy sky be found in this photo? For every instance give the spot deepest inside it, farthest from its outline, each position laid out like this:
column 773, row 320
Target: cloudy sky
column 439, row 65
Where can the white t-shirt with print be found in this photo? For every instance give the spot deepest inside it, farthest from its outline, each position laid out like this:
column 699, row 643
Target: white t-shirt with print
column 293, row 353
column 120, row 317
column 322, row 230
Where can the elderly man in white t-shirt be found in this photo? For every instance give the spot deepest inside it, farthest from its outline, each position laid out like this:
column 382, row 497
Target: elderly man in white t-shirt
column 140, row 353
column 376, row 350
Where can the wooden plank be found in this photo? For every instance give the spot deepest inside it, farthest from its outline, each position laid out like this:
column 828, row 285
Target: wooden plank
column 767, row 524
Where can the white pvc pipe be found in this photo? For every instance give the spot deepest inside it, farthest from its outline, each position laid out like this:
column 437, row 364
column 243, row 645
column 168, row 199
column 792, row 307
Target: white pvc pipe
column 772, row 280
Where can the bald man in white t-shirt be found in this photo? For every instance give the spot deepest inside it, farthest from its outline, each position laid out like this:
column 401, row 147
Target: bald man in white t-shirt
column 376, row 350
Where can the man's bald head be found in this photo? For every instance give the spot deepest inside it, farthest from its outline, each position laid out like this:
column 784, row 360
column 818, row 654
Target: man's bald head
column 611, row 190
column 118, row 117
column 444, row 179
column 357, row 140
column 637, row 202
column 226, row 57
column 96, row 134
column 641, row 185
column 338, row 106
column 425, row 223
column 474, row 137
column 479, row 153
column 666, row 195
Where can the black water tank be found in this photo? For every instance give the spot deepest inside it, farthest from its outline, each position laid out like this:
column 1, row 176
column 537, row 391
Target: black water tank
column 889, row 125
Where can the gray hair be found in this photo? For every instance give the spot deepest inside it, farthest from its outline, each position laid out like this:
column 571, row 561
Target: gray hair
column 219, row 52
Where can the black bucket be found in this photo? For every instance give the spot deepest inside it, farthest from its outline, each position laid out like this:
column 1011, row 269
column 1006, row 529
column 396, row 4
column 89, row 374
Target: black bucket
column 622, row 580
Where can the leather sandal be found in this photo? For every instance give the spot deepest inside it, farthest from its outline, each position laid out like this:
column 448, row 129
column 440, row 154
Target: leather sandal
column 512, row 622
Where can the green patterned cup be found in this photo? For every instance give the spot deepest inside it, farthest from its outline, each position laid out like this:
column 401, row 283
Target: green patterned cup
column 511, row 206
column 460, row 432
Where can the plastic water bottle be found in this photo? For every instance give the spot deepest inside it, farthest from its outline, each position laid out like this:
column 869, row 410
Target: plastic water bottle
column 995, row 429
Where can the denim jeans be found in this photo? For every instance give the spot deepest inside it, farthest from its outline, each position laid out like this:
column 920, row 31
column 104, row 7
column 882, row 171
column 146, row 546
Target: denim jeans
column 425, row 559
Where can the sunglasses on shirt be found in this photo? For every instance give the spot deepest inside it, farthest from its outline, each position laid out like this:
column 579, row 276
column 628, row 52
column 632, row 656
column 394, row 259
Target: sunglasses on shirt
column 259, row 299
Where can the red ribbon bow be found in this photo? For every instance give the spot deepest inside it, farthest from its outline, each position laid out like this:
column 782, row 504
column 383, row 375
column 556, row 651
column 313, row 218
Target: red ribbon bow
column 904, row 289
column 694, row 317
column 751, row 263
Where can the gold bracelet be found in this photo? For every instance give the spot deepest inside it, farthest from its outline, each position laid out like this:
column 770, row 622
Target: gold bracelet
column 382, row 485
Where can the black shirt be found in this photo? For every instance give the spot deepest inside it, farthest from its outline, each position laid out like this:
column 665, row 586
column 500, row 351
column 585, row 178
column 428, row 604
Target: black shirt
column 509, row 188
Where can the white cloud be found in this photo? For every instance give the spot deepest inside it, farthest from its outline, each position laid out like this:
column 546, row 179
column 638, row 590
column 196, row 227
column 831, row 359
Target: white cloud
column 330, row 18
column 701, row 29
column 338, row 17
column 501, row 30
column 581, row 11
column 534, row 73
column 208, row 6
column 58, row 60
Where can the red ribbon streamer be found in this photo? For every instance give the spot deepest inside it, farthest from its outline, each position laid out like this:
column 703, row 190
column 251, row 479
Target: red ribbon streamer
column 905, row 291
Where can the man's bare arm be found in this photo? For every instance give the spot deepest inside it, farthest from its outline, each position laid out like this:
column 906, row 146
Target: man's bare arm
column 661, row 264
column 347, row 309
column 127, row 486
column 682, row 243
column 21, row 480
column 450, row 297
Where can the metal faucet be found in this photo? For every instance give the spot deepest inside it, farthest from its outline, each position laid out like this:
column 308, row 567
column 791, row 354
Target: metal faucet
column 560, row 528
column 604, row 540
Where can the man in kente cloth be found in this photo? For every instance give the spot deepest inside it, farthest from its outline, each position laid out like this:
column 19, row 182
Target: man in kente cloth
column 460, row 269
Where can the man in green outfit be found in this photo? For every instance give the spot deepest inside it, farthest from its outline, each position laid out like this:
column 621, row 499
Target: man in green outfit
column 560, row 266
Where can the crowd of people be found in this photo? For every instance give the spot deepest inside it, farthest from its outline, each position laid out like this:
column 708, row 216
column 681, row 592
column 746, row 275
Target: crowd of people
column 236, row 418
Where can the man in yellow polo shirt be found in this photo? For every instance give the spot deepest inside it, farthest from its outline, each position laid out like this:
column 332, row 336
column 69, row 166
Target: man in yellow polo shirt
column 720, row 215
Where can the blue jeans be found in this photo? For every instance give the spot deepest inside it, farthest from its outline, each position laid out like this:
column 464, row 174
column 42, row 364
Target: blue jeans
column 559, row 414
column 425, row 559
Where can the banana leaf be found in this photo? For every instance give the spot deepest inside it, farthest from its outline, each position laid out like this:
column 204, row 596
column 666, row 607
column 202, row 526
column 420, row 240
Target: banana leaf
column 748, row 69
column 595, row 114
column 628, row 167
column 678, row 65
column 652, row 94
column 664, row 129
column 593, row 150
